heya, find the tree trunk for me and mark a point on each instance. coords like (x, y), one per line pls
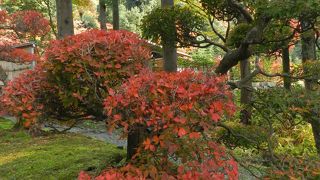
(64, 18)
(136, 136)
(309, 54)
(169, 51)
(245, 98)
(170, 57)
(286, 68)
(315, 123)
(115, 14)
(3, 75)
(18, 125)
(243, 52)
(102, 15)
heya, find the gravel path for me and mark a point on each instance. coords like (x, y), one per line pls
(99, 133)
(96, 130)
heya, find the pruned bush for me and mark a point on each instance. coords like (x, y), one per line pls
(84, 66)
(73, 79)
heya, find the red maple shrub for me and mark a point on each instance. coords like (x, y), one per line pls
(27, 25)
(20, 97)
(179, 112)
(74, 76)
(30, 23)
(20, 26)
(82, 67)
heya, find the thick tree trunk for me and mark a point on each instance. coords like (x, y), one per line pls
(309, 54)
(64, 18)
(169, 51)
(315, 123)
(286, 68)
(170, 57)
(246, 94)
(115, 14)
(102, 15)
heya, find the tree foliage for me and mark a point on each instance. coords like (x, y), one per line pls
(179, 112)
(252, 26)
(157, 25)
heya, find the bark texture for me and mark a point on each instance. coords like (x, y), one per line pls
(170, 58)
(115, 14)
(309, 54)
(286, 68)
(102, 15)
(243, 52)
(169, 51)
(246, 94)
(64, 18)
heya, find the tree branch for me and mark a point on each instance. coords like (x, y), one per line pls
(215, 31)
(243, 52)
(246, 14)
(259, 70)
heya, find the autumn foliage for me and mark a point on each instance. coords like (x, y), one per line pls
(19, 27)
(84, 66)
(23, 24)
(30, 23)
(74, 76)
(20, 97)
(179, 112)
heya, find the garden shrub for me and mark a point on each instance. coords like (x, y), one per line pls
(73, 78)
(84, 66)
(20, 98)
(30, 23)
(179, 111)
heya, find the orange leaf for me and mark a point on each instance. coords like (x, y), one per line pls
(182, 132)
(194, 135)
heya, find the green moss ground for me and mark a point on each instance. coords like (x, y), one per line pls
(60, 156)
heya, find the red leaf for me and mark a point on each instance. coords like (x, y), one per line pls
(117, 66)
(182, 132)
(215, 117)
(194, 135)
(111, 92)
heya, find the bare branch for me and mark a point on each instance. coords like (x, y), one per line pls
(259, 70)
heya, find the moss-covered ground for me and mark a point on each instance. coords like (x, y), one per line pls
(60, 156)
